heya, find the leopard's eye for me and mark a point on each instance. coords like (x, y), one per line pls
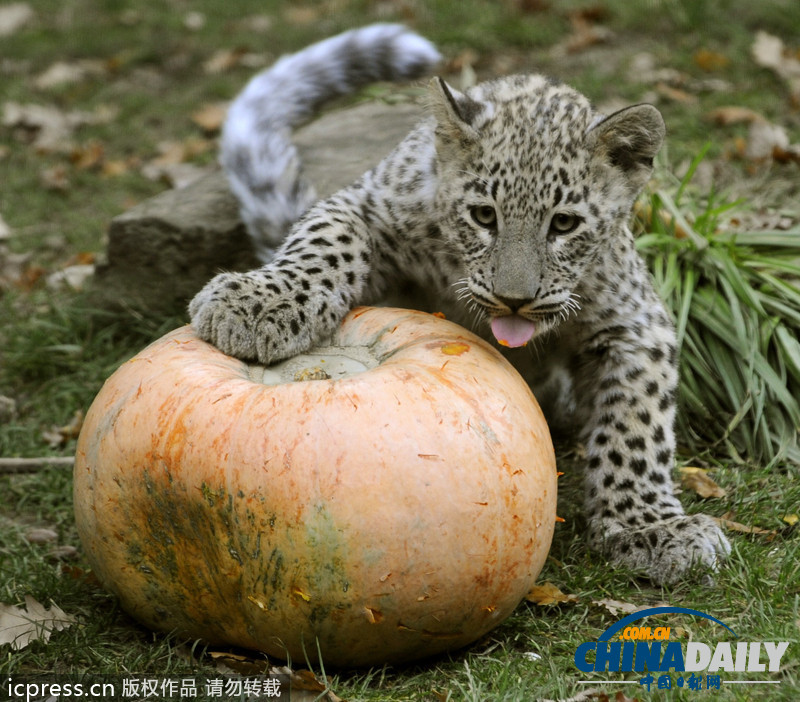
(564, 223)
(484, 216)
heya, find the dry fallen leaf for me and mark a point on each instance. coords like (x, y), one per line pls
(734, 114)
(710, 60)
(116, 167)
(585, 33)
(88, 156)
(791, 519)
(64, 552)
(13, 17)
(765, 220)
(82, 258)
(5, 230)
(194, 21)
(71, 277)
(19, 627)
(260, 24)
(769, 52)
(32, 274)
(179, 175)
(58, 436)
(548, 594)
(60, 73)
(63, 73)
(644, 68)
(55, 178)
(223, 60)
(615, 606)
(676, 94)
(762, 140)
(170, 164)
(788, 154)
(41, 536)
(697, 479)
(211, 117)
(244, 665)
(301, 14)
(306, 686)
(12, 267)
(51, 128)
(724, 521)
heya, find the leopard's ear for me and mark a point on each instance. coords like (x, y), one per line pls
(628, 140)
(458, 116)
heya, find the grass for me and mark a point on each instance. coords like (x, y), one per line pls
(733, 293)
(736, 303)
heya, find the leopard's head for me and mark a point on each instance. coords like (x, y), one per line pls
(534, 186)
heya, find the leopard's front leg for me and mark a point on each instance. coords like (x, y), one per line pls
(297, 300)
(629, 388)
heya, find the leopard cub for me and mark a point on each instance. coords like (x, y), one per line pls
(508, 205)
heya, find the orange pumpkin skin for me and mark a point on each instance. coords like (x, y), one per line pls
(383, 517)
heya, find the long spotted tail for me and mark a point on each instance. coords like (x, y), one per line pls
(257, 153)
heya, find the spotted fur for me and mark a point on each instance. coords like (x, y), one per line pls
(510, 199)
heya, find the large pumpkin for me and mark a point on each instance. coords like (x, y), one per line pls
(376, 509)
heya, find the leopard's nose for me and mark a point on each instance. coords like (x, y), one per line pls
(513, 303)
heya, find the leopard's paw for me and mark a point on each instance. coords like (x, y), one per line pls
(666, 551)
(243, 317)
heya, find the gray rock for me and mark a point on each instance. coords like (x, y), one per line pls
(162, 251)
(340, 146)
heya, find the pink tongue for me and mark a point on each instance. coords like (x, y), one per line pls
(512, 330)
